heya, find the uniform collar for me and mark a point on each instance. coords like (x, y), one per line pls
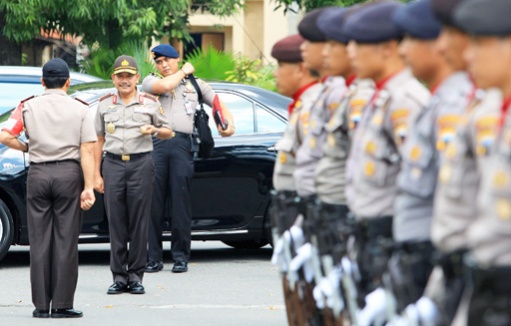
(138, 99)
(504, 109)
(298, 94)
(54, 91)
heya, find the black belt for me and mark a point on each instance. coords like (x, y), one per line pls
(178, 134)
(54, 162)
(127, 157)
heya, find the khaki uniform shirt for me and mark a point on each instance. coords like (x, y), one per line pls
(307, 155)
(56, 126)
(330, 172)
(292, 139)
(489, 237)
(465, 159)
(430, 134)
(378, 145)
(180, 104)
(120, 122)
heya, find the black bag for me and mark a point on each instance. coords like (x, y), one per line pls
(202, 133)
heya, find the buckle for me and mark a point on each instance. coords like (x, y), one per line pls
(125, 157)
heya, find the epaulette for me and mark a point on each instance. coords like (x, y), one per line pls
(104, 97)
(28, 98)
(151, 97)
(81, 101)
(156, 75)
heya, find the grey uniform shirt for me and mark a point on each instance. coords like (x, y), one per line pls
(120, 122)
(180, 104)
(377, 146)
(330, 172)
(428, 137)
(57, 125)
(308, 155)
(489, 237)
(292, 139)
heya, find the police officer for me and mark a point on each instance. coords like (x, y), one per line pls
(489, 237)
(173, 158)
(293, 79)
(61, 135)
(124, 122)
(378, 142)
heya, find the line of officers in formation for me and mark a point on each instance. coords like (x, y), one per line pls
(392, 202)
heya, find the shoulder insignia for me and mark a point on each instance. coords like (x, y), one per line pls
(28, 98)
(151, 97)
(104, 97)
(81, 101)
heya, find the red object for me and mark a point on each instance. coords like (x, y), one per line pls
(15, 124)
(297, 95)
(504, 109)
(217, 113)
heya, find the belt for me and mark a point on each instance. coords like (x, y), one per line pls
(178, 134)
(54, 162)
(126, 157)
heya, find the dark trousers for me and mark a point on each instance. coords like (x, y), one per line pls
(128, 194)
(54, 223)
(173, 162)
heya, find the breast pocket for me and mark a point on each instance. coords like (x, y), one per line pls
(111, 122)
(337, 139)
(144, 118)
(454, 167)
(378, 156)
(418, 173)
(500, 188)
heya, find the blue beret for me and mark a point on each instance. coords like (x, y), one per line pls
(373, 23)
(164, 50)
(308, 27)
(478, 17)
(444, 10)
(418, 20)
(330, 23)
(55, 68)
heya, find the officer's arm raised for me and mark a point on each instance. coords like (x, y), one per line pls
(167, 84)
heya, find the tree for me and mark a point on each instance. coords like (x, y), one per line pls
(308, 5)
(105, 23)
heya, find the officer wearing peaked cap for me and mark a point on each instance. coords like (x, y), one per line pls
(489, 237)
(60, 181)
(125, 121)
(295, 80)
(377, 149)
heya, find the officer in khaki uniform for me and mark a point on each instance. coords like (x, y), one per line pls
(295, 80)
(61, 134)
(489, 237)
(124, 122)
(173, 159)
(378, 141)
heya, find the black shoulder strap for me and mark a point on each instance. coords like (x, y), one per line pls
(197, 88)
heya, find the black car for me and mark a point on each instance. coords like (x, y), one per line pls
(230, 190)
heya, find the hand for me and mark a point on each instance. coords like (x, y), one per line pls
(188, 68)
(227, 132)
(87, 199)
(148, 129)
(98, 184)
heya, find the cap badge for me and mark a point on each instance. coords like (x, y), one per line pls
(125, 63)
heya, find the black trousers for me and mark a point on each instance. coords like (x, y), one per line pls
(54, 223)
(173, 162)
(128, 194)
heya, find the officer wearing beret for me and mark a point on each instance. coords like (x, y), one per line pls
(125, 121)
(314, 42)
(378, 142)
(61, 135)
(293, 79)
(173, 159)
(489, 237)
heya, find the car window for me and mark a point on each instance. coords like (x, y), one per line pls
(12, 93)
(241, 109)
(267, 122)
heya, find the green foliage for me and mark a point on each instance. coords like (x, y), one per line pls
(252, 72)
(101, 60)
(211, 64)
(309, 5)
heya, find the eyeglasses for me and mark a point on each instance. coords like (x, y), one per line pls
(159, 62)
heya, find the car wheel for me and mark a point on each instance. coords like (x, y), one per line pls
(6, 229)
(246, 244)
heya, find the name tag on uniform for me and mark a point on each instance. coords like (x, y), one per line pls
(142, 109)
(111, 109)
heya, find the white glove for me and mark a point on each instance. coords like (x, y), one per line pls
(303, 259)
(374, 312)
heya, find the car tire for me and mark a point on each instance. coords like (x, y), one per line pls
(6, 229)
(246, 244)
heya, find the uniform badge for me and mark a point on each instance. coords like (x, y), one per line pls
(298, 104)
(312, 142)
(450, 152)
(369, 169)
(333, 106)
(161, 110)
(445, 174)
(415, 153)
(500, 179)
(282, 158)
(331, 140)
(110, 127)
(503, 208)
(370, 148)
(377, 119)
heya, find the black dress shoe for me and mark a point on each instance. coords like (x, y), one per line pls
(117, 288)
(136, 287)
(66, 313)
(41, 313)
(153, 266)
(180, 267)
